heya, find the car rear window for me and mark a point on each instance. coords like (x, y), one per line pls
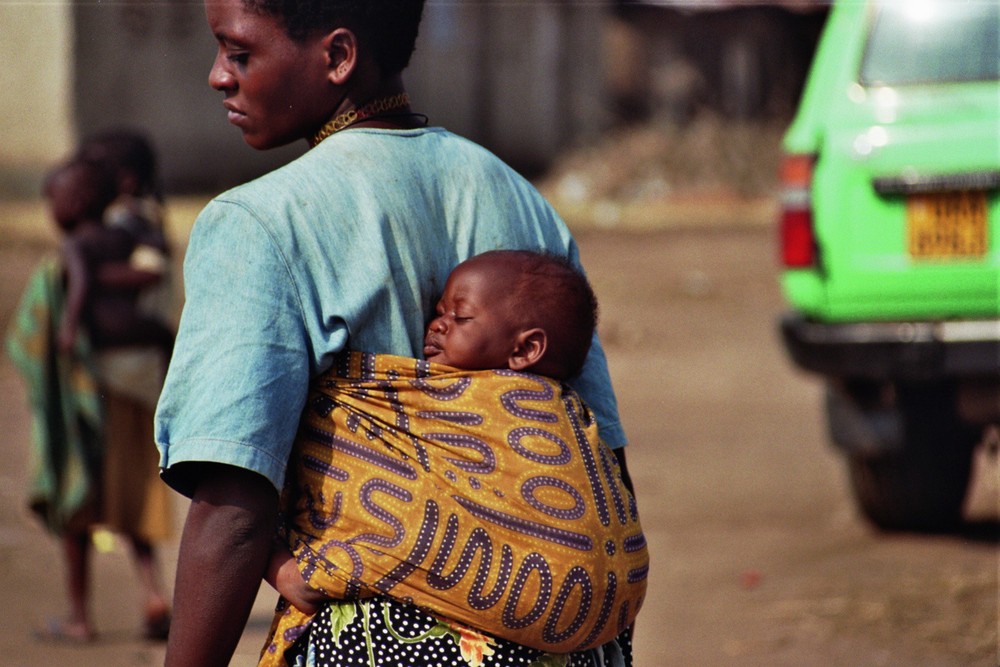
(931, 41)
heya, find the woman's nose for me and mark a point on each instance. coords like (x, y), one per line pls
(219, 77)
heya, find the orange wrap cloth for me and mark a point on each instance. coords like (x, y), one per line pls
(482, 496)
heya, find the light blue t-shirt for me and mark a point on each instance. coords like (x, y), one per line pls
(348, 246)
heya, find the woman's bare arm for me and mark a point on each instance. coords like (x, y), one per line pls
(223, 556)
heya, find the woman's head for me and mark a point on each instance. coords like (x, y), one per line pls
(286, 67)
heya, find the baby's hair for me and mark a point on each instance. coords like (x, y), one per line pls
(126, 150)
(99, 186)
(552, 293)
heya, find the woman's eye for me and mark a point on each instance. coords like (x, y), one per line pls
(238, 58)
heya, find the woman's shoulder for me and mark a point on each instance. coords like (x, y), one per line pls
(435, 148)
(262, 198)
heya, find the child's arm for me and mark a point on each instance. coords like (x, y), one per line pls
(123, 275)
(284, 576)
(77, 286)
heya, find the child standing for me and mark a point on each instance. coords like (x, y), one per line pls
(88, 315)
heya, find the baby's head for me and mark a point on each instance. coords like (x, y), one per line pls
(514, 309)
(130, 154)
(79, 191)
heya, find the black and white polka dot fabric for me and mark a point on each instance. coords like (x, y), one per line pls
(381, 631)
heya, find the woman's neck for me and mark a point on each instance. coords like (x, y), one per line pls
(385, 105)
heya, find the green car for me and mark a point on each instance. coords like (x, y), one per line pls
(890, 235)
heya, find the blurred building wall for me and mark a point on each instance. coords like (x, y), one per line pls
(525, 78)
(36, 125)
(521, 78)
(745, 60)
(145, 65)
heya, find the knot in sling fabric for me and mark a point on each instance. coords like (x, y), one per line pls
(482, 496)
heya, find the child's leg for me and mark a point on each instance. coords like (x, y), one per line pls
(155, 607)
(76, 548)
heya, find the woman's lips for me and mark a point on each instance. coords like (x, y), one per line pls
(234, 115)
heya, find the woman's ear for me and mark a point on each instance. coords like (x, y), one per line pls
(341, 48)
(529, 348)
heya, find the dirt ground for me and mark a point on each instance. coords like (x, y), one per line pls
(758, 557)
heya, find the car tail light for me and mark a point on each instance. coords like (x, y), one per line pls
(798, 240)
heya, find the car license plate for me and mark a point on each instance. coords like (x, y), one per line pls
(947, 224)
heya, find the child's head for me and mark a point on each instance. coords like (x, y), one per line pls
(130, 154)
(514, 309)
(78, 191)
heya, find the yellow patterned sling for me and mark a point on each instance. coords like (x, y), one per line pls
(482, 496)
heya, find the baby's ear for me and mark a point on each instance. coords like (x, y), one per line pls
(529, 348)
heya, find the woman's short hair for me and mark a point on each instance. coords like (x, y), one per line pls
(388, 27)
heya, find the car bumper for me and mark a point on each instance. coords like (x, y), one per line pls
(894, 350)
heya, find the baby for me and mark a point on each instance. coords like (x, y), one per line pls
(138, 209)
(514, 309)
(425, 479)
(78, 193)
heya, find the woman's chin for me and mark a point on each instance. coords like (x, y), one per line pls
(264, 141)
(257, 142)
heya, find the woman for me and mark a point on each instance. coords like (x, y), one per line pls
(348, 246)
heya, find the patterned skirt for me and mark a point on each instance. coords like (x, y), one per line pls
(381, 631)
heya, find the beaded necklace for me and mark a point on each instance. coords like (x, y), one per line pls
(378, 107)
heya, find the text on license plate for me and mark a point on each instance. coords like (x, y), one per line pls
(947, 224)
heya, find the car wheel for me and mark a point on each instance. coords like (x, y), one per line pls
(921, 483)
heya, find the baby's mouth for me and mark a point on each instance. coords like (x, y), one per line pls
(431, 348)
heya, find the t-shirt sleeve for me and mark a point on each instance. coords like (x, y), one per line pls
(594, 386)
(594, 381)
(239, 374)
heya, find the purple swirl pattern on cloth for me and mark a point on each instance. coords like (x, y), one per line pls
(574, 512)
(482, 496)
